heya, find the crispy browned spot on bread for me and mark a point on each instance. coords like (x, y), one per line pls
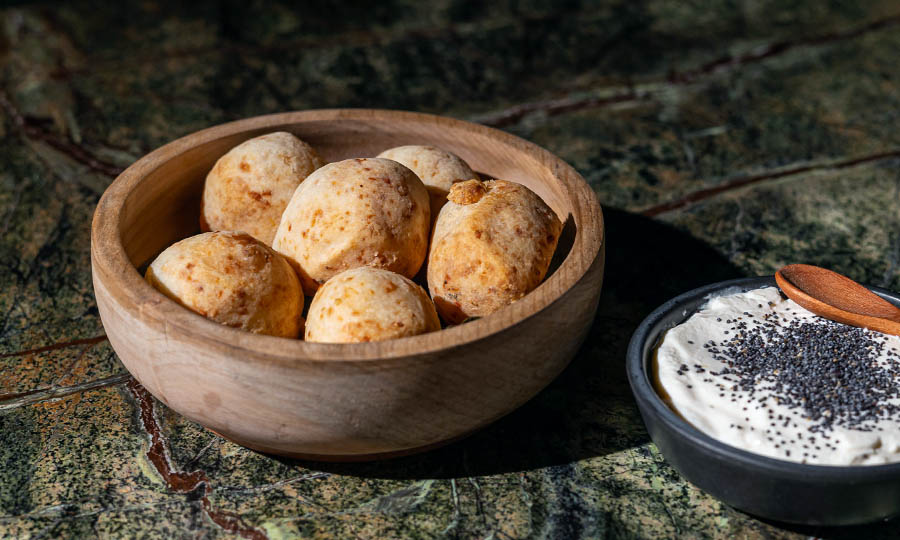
(468, 192)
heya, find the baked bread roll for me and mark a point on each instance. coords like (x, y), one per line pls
(357, 212)
(233, 279)
(492, 244)
(438, 169)
(369, 304)
(249, 187)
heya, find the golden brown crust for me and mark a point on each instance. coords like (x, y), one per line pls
(491, 250)
(357, 212)
(437, 168)
(250, 186)
(369, 304)
(468, 192)
(233, 279)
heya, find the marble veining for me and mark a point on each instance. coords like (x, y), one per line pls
(723, 139)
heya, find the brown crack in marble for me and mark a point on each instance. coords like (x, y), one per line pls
(779, 47)
(56, 346)
(511, 115)
(19, 399)
(58, 388)
(633, 94)
(33, 129)
(183, 482)
(745, 181)
(576, 461)
(74, 364)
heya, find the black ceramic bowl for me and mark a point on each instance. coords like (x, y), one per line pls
(766, 487)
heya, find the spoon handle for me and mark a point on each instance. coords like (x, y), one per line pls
(827, 311)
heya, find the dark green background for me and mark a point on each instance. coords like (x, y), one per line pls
(723, 138)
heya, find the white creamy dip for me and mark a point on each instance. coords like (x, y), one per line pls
(755, 421)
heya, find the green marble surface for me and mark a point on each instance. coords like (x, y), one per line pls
(724, 139)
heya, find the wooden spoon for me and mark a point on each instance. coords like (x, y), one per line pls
(839, 298)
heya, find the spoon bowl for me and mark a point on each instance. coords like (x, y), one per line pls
(838, 298)
(784, 491)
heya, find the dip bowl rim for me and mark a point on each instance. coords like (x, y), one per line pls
(665, 425)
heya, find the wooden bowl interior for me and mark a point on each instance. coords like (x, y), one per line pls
(340, 401)
(165, 206)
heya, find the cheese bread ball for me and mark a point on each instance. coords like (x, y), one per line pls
(492, 244)
(233, 279)
(369, 304)
(438, 169)
(358, 212)
(249, 187)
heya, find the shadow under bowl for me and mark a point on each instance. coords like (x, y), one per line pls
(766, 487)
(340, 401)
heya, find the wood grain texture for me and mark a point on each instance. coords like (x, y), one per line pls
(838, 298)
(340, 401)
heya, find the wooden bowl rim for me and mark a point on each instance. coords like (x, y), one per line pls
(118, 275)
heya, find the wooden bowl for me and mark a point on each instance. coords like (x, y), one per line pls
(340, 401)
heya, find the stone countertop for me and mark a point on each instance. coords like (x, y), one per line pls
(724, 139)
